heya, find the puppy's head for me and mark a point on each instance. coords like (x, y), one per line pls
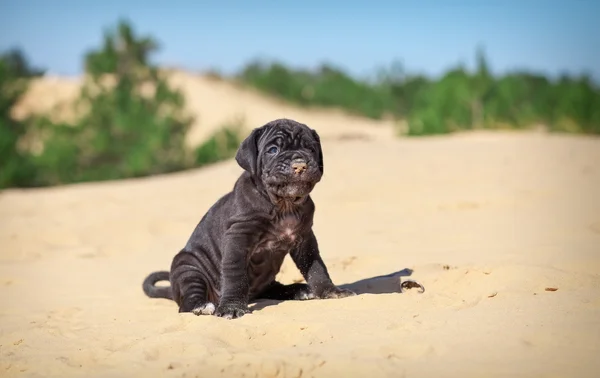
(286, 156)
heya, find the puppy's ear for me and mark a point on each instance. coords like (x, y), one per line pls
(319, 149)
(247, 153)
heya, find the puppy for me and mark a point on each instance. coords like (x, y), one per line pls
(237, 248)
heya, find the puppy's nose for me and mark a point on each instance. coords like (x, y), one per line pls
(298, 166)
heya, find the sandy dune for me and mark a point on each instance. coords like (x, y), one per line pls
(486, 222)
(214, 103)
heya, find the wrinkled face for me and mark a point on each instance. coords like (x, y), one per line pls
(289, 159)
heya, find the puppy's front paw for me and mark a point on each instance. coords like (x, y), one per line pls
(336, 292)
(231, 310)
(304, 295)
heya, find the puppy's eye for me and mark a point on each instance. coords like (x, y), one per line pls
(273, 150)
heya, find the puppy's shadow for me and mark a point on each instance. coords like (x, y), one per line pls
(384, 284)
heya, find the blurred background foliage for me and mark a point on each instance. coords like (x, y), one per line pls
(458, 100)
(133, 124)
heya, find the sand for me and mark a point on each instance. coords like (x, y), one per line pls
(487, 222)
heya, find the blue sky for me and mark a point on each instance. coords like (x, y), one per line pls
(427, 36)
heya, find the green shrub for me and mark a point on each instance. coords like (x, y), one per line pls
(328, 86)
(130, 122)
(16, 167)
(220, 146)
(132, 125)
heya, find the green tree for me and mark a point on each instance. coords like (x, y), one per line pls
(16, 168)
(482, 83)
(16, 61)
(132, 125)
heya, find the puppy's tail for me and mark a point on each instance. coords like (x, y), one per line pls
(157, 292)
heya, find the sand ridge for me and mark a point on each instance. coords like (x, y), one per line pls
(213, 103)
(485, 221)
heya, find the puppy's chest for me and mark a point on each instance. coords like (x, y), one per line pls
(268, 255)
(287, 230)
(283, 234)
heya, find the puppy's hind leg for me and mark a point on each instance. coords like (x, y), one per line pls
(194, 294)
(281, 292)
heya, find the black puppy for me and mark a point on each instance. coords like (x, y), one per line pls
(237, 249)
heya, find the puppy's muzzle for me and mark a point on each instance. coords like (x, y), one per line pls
(299, 166)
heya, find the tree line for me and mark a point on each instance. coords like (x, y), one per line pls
(458, 100)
